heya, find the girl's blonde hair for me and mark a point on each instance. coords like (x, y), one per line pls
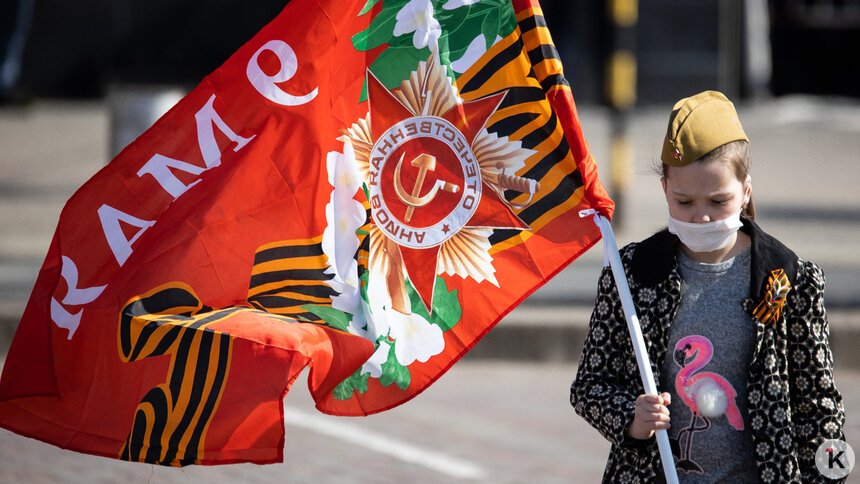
(737, 153)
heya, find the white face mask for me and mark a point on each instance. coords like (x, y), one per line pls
(706, 237)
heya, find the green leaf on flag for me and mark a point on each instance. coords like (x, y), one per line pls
(446, 307)
(380, 31)
(368, 6)
(357, 382)
(335, 318)
(453, 45)
(394, 372)
(490, 28)
(507, 21)
(364, 276)
(359, 40)
(460, 26)
(394, 65)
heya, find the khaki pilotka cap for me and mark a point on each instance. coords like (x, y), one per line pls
(699, 124)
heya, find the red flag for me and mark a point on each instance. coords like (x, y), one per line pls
(367, 190)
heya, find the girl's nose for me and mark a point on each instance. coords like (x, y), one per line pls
(701, 217)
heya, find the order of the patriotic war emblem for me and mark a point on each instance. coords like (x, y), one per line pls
(435, 177)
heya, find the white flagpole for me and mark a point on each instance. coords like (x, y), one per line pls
(610, 250)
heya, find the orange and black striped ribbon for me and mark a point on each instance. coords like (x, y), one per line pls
(526, 64)
(770, 308)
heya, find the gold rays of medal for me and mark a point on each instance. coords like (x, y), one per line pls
(430, 92)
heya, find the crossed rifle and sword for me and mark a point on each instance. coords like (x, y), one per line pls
(425, 163)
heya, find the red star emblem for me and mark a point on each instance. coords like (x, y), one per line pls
(425, 184)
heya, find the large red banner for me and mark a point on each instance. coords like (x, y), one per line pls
(362, 188)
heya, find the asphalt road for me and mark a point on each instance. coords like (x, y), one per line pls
(484, 421)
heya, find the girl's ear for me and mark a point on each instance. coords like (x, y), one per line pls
(663, 182)
(747, 190)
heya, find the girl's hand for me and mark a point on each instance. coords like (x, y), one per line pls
(651, 414)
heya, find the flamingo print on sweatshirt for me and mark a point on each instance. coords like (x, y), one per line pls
(707, 395)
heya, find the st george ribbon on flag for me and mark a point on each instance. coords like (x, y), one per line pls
(364, 188)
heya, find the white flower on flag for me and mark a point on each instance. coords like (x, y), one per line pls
(452, 4)
(364, 324)
(344, 215)
(417, 16)
(374, 364)
(474, 51)
(415, 338)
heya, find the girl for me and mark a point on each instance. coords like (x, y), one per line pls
(733, 320)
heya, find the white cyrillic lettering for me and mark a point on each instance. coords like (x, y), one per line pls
(207, 118)
(159, 167)
(110, 219)
(268, 85)
(75, 296)
(65, 319)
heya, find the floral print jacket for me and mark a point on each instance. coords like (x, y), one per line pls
(792, 399)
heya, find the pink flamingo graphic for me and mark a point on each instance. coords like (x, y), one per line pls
(707, 394)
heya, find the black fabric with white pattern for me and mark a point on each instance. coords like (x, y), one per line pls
(793, 402)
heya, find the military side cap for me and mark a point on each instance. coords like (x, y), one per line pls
(699, 124)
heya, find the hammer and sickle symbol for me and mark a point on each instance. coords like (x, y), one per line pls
(424, 163)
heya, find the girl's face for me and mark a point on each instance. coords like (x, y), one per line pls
(704, 191)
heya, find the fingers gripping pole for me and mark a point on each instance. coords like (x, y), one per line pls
(610, 250)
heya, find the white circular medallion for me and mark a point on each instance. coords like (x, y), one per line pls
(444, 180)
(834, 459)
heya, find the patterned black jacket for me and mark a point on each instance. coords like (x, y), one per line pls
(792, 399)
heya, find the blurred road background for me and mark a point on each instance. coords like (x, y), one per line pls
(483, 422)
(502, 414)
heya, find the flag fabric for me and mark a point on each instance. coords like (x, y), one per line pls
(365, 188)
